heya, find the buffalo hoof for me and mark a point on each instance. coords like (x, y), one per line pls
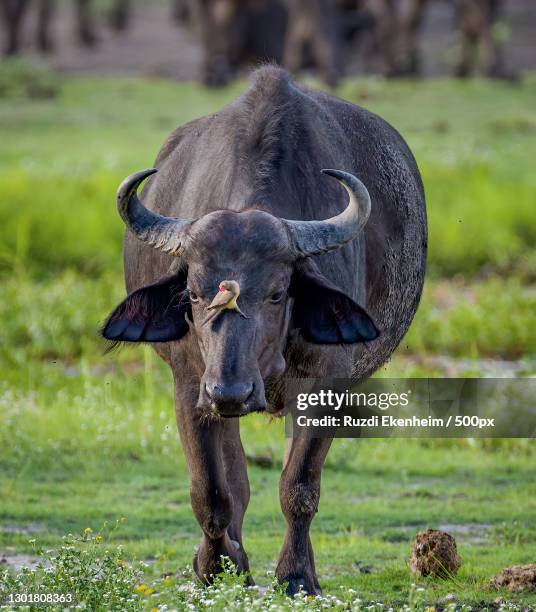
(298, 572)
(306, 583)
(207, 561)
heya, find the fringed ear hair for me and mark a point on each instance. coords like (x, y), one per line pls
(155, 313)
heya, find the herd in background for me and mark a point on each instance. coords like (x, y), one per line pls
(323, 35)
(14, 12)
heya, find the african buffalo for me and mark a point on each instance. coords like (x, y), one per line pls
(234, 33)
(13, 13)
(479, 23)
(312, 31)
(328, 280)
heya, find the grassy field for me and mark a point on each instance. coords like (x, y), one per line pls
(88, 440)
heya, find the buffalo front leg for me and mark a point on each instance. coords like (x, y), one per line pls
(299, 494)
(219, 489)
(234, 461)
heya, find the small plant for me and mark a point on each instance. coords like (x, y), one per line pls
(99, 578)
(92, 574)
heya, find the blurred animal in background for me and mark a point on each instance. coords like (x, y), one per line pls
(12, 16)
(235, 33)
(14, 13)
(369, 29)
(181, 11)
(120, 14)
(481, 37)
(312, 38)
(480, 27)
(389, 35)
(331, 37)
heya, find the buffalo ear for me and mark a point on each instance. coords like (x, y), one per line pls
(326, 315)
(155, 313)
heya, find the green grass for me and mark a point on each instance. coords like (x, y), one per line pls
(58, 317)
(90, 456)
(89, 438)
(488, 318)
(62, 158)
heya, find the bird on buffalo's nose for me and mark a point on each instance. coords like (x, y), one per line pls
(225, 299)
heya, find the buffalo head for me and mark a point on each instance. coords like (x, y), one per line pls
(261, 261)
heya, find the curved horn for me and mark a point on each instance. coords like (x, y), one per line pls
(162, 233)
(313, 237)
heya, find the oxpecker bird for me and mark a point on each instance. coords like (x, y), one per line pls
(225, 299)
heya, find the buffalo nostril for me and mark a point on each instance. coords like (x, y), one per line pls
(225, 393)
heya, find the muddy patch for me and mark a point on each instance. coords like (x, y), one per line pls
(468, 533)
(473, 533)
(17, 562)
(25, 529)
(455, 367)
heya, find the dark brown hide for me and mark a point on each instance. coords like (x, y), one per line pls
(237, 173)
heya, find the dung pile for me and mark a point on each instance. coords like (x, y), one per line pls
(516, 578)
(434, 553)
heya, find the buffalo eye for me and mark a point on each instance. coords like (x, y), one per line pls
(194, 298)
(276, 297)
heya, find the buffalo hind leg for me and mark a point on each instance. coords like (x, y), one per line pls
(213, 485)
(299, 493)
